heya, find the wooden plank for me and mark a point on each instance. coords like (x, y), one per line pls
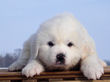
(4, 72)
(51, 80)
(29, 80)
(76, 73)
(85, 81)
(5, 81)
(5, 75)
(48, 74)
(46, 77)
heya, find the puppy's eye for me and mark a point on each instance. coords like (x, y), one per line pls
(50, 43)
(70, 44)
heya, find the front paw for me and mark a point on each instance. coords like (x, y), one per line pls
(31, 70)
(92, 71)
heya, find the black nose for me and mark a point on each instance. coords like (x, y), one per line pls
(60, 56)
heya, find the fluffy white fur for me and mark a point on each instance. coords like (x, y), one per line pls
(37, 55)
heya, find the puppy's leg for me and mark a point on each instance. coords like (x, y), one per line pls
(91, 67)
(22, 60)
(32, 68)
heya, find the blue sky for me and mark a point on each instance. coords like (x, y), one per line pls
(20, 18)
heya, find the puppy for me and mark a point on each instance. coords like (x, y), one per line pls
(60, 43)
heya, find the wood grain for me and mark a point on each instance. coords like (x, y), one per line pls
(75, 75)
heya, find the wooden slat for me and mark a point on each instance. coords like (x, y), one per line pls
(5, 75)
(85, 81)
(5, 81)
(29, 80)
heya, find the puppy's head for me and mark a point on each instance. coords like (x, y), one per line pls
(59, 41)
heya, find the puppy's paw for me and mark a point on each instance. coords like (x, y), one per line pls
(15, 66)
(31, 70)
(92, 71)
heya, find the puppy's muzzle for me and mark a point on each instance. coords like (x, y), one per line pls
(60, 59)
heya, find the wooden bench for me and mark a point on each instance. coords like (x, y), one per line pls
(66, 76)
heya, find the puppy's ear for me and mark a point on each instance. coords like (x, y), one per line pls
(34, 49)
(88, 48)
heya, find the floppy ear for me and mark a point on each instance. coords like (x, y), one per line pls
(34, 51)
(88, 45)
(34, 48)
(88, 48)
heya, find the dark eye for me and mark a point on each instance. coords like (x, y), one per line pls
(50, 43)
(70, 44)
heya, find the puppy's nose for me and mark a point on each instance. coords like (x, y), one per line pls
(60, 56)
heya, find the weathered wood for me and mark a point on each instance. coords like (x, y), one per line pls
(29, 80)
(85, 81)
(74, 75)
(5, 81)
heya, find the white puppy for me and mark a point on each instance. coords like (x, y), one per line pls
(60, 43)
